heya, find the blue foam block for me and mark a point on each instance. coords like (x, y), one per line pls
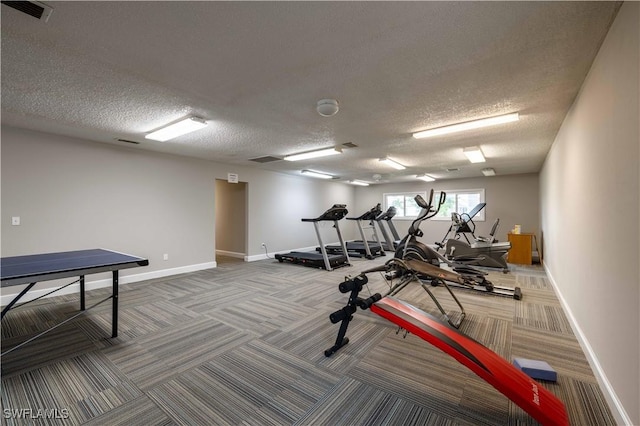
(536, 369)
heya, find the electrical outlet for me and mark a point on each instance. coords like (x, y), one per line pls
(165, 256)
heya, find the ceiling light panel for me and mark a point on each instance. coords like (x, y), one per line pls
(426, 178)
(358, 183)
(179, 128)
(315, 174)
(391, 163)
(474, 154)
(313, 154)
(488, 172)
(469, 125)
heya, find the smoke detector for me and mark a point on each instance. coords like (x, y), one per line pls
(327, 107)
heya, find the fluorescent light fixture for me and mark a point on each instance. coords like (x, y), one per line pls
(461, 127)
(315, 174)
(426, 178)
(488, 172)
(474, 154)
(313, 154)
(179, 128)
(358, 182)
(392, 163)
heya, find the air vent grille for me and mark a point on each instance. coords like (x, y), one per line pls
(349, 145)
(266, 159)
(128, 141)
(32, 8)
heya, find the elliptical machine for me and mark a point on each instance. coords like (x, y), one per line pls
(410, 248)
(485, 252)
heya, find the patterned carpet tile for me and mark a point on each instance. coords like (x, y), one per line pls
(534, 282)
(251, 314)
(310, 337)
(542, 317)
(60, 343)
(244, 343)
(173, 351)
(481, 404)
(562, 353)
(216, 298)
(415, 371)
(96, 388)
(493, 333)
(585, 403)
(183, 285)
(133, 295)
(138, 412)
(33, 319)
(193, 343)
(351, 402)
(252, 384)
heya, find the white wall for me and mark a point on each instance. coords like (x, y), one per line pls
(589, 189)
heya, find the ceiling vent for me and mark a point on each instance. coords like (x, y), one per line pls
(32, 8)
(128, 141)
(266, 159)
(349, 145)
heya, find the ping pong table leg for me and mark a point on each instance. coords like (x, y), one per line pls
(22, 293)
(82, 292)
(114, 306)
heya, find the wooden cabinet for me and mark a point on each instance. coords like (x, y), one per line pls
(521, 248)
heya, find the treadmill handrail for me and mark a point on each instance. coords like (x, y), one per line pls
(336, 212)
(371, 214)
(388, 215)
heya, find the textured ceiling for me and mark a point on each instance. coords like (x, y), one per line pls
(107, 70)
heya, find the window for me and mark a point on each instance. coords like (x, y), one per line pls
(406, 207)
(461, 201)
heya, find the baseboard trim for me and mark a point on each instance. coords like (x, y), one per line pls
(230, 254)
(5, 299)
(614, 403)
(255, 257)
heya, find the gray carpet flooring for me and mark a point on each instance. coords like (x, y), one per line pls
(243, 344)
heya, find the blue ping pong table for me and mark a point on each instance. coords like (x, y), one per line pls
(31, 269)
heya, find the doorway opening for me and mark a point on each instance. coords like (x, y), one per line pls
(231, 221)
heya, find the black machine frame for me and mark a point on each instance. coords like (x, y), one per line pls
(324, 259)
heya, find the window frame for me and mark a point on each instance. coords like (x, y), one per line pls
(480, 217)
(410, 195)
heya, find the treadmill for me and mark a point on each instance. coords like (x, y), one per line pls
(360, 248)
(392, 241)
(324, 259)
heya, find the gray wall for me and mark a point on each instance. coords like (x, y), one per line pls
(513, 199)
(74, 194)
(277, 202)
(590, 212)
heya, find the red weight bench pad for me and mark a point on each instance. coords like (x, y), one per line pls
(538, 402)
